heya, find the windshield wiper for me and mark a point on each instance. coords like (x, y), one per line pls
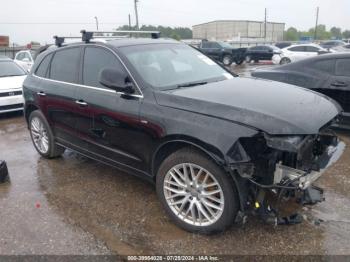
(192, 84)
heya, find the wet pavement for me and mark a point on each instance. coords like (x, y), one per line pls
(74, 205)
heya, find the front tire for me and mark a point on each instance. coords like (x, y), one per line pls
(42, 136)
(227, 60)
(196, 193)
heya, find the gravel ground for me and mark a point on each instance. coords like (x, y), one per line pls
(74, 205)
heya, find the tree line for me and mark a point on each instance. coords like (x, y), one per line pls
(292, 34)
(177, 33)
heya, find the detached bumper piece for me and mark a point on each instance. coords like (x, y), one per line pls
(4, 176)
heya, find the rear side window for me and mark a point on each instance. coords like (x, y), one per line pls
(324, 65)
(95, 59)
(65, 65)
(42, 68)
(342, 67)
(205, 44)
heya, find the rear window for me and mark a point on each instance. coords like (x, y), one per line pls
(65, 65)
(42, 68)
(342, 67)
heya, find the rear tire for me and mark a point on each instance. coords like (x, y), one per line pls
(196, 193)
(285, 60)
(42, 136)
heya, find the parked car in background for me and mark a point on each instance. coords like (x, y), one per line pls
(332, 43)
(222, 52)
(25, 59)
(281, 45)
(328, 74)
(11, 80)
(263, 52)
(298, 52)
(161, 110)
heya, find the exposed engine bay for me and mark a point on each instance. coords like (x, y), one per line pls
(280, 171)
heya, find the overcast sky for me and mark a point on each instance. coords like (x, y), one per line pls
(39, 20)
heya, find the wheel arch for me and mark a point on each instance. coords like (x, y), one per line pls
(172, 144)
(29, 108)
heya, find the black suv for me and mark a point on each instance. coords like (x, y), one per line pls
(223, 52)
(215, 145)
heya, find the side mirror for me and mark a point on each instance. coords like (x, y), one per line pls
(117, 80)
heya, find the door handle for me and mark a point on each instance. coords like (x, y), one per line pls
(41, 93)
(81, 102)
(339, 84)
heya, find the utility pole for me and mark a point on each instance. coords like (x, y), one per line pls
(317, 12)
(129, 22)
(265, 24)
(136, 14)
(96, 22)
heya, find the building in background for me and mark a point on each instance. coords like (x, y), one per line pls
(239, 30)
(4, 40)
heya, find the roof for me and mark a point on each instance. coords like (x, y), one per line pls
(247, 21)
(140, 41)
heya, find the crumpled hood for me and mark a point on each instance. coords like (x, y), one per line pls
(11, 82)
(273, 107)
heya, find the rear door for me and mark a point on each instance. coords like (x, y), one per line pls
(57, 93)
(108, 123)
(341, 85)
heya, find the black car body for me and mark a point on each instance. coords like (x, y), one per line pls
(222, 52)
(261, 52)
(328, 74)
(213, 144)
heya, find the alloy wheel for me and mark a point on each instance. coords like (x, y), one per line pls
(39, 135)
(193, 194)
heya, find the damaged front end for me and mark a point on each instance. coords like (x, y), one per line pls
(279, 171)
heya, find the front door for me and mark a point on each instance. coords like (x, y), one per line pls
(108, 122)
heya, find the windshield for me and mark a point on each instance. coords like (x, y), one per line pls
(9, 68)
(169, 66)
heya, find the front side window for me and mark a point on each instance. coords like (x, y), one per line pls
(297, 49)
(342, 67)
(95, 59)
(168, 66)
(311, 49)
(65, 65)
(324, 65)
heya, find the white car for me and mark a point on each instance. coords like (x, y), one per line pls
(298, 52)
(11, 80)
(25, 59)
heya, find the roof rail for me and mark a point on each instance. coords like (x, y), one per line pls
(86, 36)
(59, 40)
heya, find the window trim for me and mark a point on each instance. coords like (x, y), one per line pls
(140, 95)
